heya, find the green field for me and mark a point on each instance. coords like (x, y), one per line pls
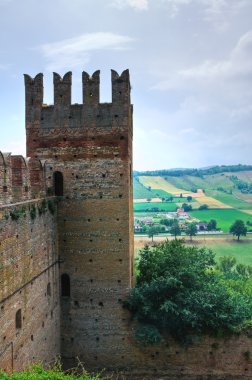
(230, 199)
(140, 191)
(224, 217)
(242, 250)
(220, 245)
(168, 206)
(161, 193)
(207, 182)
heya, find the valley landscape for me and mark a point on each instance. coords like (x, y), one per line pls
(222, 194)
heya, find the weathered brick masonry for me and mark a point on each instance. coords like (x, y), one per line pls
(29, 292)
(66, 266)
(90, 145)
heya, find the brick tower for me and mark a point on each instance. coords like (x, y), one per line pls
(87, 150)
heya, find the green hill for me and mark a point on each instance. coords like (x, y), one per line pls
(227, 193)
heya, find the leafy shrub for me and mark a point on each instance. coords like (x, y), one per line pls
(33, 212)
(179, 290)
(147, 334)
(42, 207)
(51, 206)
(203, 207)
(17, 213)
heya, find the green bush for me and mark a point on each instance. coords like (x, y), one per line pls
(180, 291)
(33, 212)
(42, 207)
(37, 372)
(147, 334)
(51, 206)
(17, 213)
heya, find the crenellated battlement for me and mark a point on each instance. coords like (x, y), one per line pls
(21, 178)
(64, 125)
(61, 113)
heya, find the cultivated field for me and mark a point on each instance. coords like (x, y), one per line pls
(225, 201)
(224, 217)
(160, 183)
(220, 245)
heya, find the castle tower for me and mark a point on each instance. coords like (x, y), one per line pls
(88, 153)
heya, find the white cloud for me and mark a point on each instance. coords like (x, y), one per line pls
(14, 146)
(73, 52)
(139, 5)
(5, 66)
(174, 6)
(239, 64)
(236, 68)
(218, 12)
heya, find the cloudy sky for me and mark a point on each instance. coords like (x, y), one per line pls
(190, 63)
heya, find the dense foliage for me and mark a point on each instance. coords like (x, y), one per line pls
(37, 372)
(181, 291)
(243, 186)
(195, 172)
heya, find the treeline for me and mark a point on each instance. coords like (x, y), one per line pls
(195, 172)
(244, 187)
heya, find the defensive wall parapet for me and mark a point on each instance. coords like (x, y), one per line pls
(64, 126)
(20, 178)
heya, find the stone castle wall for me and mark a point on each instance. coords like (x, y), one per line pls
(29, 291)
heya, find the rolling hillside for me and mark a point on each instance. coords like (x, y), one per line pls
(220, 191)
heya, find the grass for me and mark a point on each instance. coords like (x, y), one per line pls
(212, 202)
(159, 183)
(140, 191)
(220, 245)
(207, 182)
(37, 372)
(241, 250)
(141, 207)
(230, 199)
(224, 217)
(161, 193)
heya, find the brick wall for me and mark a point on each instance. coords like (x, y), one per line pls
(90, 144)
(29, 282)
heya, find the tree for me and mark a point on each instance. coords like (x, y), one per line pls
(203, 207)
(238, 229)
(189, 198)
(175, 230)
(178, 292)
(167, 222)
(191, 230)
(227, 263)
(212, 225)
(186, 207)
(152, 231)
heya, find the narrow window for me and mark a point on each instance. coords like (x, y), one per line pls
(18, 319)
(65, 285)
(58, 183)
(48, 289)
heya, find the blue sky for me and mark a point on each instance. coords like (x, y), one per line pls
(190, 63)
